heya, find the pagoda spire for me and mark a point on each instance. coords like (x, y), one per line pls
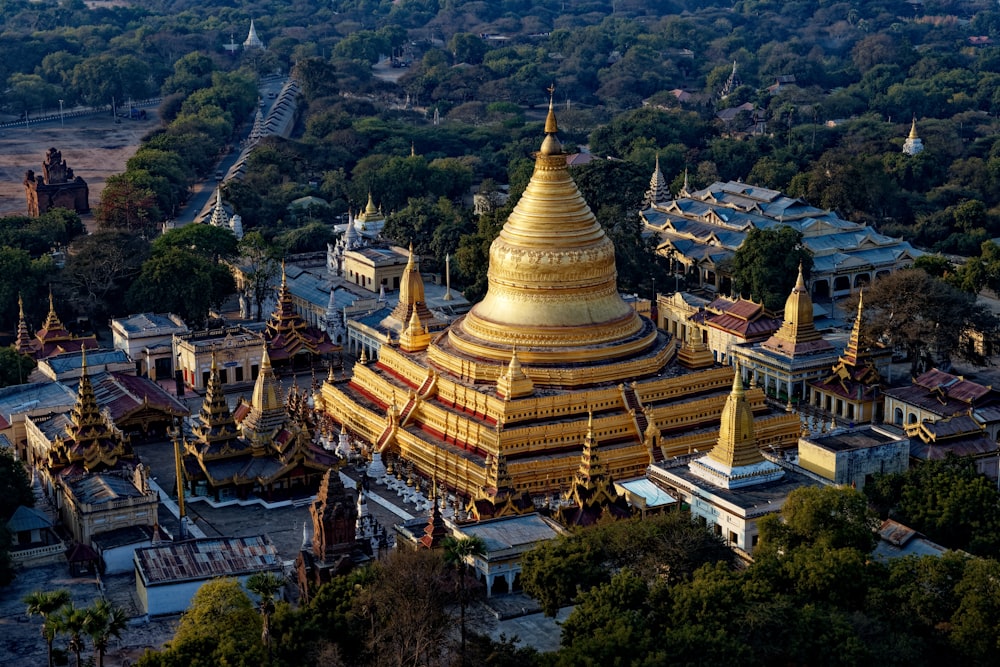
(852, 354)
(216, 422)
(737, 443)
(411, 294)
(552, 284)
(514, 383)
(736, 461)
(798, 334)
(267, 409)
(658, 190)
(23, 343)
(52, 321)
(219, 216)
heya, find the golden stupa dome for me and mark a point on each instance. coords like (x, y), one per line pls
(411, 287)
(552, 281)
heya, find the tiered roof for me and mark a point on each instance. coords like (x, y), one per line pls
(53, 338)
(288, 334)
(854, 376)
(90, 441)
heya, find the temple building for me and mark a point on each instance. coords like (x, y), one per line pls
(332, 544)
(84, 440)
(551, 352)
(237, 348)
(701, 231)
(794, 355)
(55, 187)
(259, 450)
(53, 338)
(147, 338)
(733, 485)
(291, 341)
(853, 388)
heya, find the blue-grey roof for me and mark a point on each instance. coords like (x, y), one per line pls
(106, 488)
(512, 532)
(151, 323)
(28, 518)
(20, 398)
(71, 361)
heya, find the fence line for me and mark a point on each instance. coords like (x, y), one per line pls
(77, 113)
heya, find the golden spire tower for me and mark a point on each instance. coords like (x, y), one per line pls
(736, 460)
(552, 281)
(216, 420)
(267, 409)
(798, 334)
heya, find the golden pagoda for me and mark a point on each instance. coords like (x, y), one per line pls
(798, 334)
(736, 461)
(90, 441)
(514, 380)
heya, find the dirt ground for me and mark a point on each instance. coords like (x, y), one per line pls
(94, 147)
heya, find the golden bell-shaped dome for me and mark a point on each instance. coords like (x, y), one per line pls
(552, 279)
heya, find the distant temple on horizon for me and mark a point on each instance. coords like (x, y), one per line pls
(55, 187)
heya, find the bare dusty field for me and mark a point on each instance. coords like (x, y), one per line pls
(94, 147)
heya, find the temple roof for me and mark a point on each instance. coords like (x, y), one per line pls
(288, 334)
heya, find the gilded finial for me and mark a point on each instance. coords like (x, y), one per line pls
(800, 283)
(20, 307)
(283, 280)
(550, 121)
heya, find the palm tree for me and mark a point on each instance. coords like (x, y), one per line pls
(73, 621)
(104, 621)
(265, 585)
(457, 552)
(45, 604)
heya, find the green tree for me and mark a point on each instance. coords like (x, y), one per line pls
(946, 500)
(99, 270)
(212, 243)
(831, 517)
(220, 627)
(47, 604)
(457, 553)
(183, 282)
(73, 621)
(104, 621)
(765, 266)
(923, 315)
(14, 366)
(258, 262)
(15, 485)
(265, 585)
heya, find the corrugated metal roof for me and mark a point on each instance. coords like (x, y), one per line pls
(206, 558)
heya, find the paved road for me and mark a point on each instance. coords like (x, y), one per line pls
(203, 193)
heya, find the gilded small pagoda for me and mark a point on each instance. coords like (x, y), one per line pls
(517, 378)
(262, 449)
